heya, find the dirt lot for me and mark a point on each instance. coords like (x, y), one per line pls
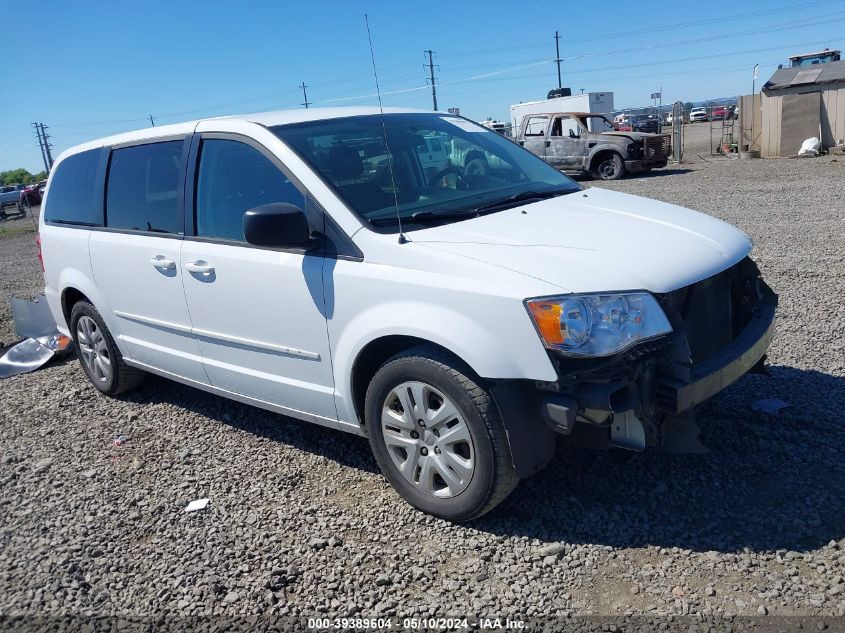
(301, 523)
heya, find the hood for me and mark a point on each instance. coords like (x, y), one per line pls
(596, 240)
(634, 136)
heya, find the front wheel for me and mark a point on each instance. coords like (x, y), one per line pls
(609, 167)
(436, 435)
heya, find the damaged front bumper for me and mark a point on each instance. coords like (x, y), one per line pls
(722, 328)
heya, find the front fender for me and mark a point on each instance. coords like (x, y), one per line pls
(603, 147)
(509, 349)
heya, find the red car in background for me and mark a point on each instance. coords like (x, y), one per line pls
(718, 113)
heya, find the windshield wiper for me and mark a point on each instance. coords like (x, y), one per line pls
(425, 216)
(522, 197)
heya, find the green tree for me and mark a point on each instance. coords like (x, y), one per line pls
(688, 106)
(16, 176)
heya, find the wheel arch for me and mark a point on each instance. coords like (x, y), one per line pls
(599, 152)
(70, 297)
(373, 355)
(75, 286)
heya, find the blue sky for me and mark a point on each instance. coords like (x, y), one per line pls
(95, 68)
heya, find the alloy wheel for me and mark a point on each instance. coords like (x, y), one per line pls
(93, 349)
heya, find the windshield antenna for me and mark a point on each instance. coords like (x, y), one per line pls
(402, 238)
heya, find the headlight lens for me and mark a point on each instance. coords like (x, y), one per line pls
(597, 324)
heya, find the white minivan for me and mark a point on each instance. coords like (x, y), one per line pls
(311, 263)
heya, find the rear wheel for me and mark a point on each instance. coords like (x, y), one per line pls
(436, 435)
(609, 167)
(98, 354)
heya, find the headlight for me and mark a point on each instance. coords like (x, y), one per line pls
(597, 324)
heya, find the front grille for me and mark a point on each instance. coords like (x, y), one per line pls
(709, 312)
(656, 147)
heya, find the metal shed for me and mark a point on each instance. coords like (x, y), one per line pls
(802, 102)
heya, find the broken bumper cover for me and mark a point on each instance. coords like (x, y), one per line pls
(725, 367)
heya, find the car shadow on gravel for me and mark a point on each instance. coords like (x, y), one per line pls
(768, 482)
(346, 449)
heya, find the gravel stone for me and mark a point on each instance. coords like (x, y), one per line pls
(302, 516)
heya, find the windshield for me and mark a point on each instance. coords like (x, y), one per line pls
(445, 168)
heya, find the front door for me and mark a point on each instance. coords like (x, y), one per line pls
(136, 261)
(258, 314)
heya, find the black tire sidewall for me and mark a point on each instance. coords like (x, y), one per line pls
(468, 502)
(86, 309)
(618, 165)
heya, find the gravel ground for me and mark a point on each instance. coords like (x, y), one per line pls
(300, 522)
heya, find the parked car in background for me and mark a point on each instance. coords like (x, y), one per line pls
(459, 321)
(564, 139)
(30, 195)
(718, 113)
(649, 123)
(697, 114)
(11, 196)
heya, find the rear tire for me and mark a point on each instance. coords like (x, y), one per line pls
(98, 354)
(456, 480)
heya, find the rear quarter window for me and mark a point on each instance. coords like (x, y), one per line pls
(72, 198)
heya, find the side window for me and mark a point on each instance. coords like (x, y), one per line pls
(233, 178)
(536, 126)
(142, 193)
(567, 127)
(71, 199)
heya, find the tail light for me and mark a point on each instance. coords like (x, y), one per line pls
(40, 256)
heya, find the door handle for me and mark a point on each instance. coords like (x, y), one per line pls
(162, 263)
(199, 266)
(548, 143)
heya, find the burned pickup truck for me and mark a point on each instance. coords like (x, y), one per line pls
(579, 142)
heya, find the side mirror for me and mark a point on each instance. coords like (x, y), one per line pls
(277, 224)
(572, 133)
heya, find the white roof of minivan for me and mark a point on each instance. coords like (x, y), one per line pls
(276, 117)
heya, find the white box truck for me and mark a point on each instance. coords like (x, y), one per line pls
(590, 102)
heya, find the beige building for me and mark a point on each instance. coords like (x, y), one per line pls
(798, 103)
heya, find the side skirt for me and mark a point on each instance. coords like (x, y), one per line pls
(348, 427)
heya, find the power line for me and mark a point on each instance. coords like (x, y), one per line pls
(430, 66)
(649, 30)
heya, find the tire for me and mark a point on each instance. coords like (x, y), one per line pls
(609, 167)
(91, 334)
(479, 468)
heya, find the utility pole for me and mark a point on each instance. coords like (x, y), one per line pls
(430, 66)
(152, 120)
(41, 145)
(558, 59)
(306, 103)
(47, 146)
